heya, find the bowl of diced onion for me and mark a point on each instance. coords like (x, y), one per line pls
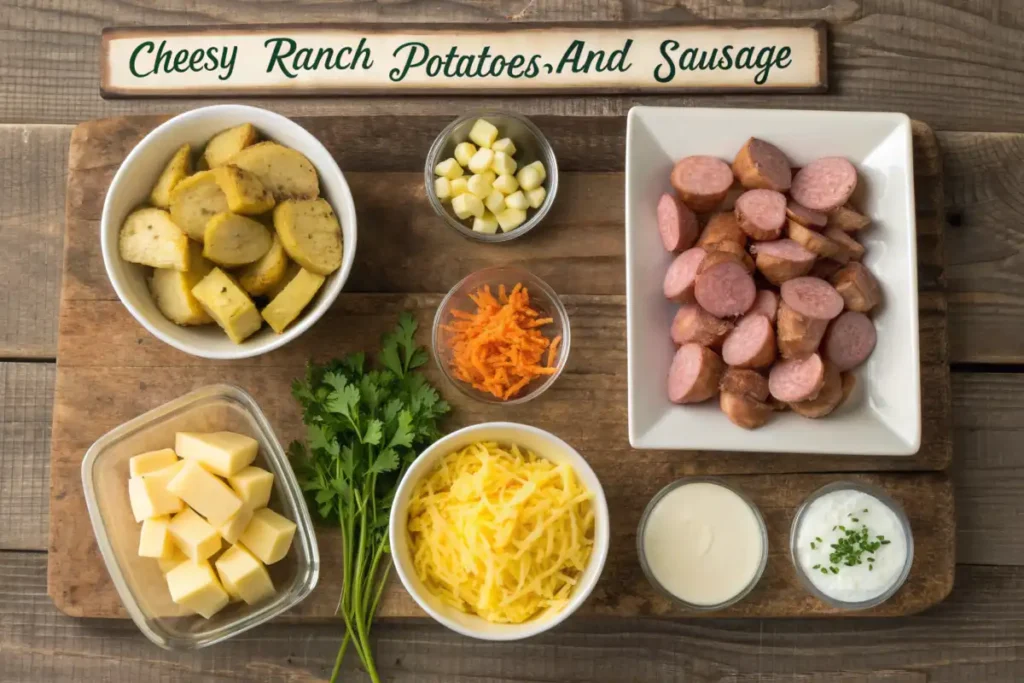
(499, 531)
(492, 176)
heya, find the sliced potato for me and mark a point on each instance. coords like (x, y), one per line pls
(258, 277)
(244, 192)
(234, 240)
(172, 289)
(194, 201)
(228, 305)
(310, 233)
(228, 143)
(151, 238)
(290, 271)
(286, 306)
(177, 169)
(287, 174)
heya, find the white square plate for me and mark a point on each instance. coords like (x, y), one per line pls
(883, 416)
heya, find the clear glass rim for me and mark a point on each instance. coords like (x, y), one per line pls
(885, 499)
(642, 554)
(559, 311)
(459, 226)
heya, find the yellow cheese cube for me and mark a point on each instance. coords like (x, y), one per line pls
(193, 535)
(268, 536)
(490, 175)
(517, 200)
(152, 461)
(228, 304)
(466, 205)
(495, 202)
(464, 151)
(479, 185)
(510, 219)
(537, 197)
(154, 540)
(503, 164)
(246, 576)
(443, 188)
(504, 145)
(195, 586)
(149, 496)
(223, 453)
(449, 168)
(175, 558)
(292, 300)
(487, 224)
(481, 161)
(232, 529)
(459, 186)
(531, 176)
(205, 493)
(506, 184)
(483, 133)
(253, 485)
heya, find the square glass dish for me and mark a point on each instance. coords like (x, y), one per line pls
(883, 415)
(139, 580)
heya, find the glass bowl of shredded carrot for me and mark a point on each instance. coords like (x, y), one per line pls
(501, 335)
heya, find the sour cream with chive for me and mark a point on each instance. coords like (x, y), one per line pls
(851, 546)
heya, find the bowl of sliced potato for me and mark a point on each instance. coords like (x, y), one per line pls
(228, 231)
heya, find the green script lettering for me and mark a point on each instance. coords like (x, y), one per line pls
(277, 55)
(417, 54)
(148, 47)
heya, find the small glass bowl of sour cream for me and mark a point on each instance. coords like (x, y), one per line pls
(851, 545)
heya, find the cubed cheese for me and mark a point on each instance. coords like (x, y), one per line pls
(449, 168)
(483, 133)
(152, 461)
(490, 175)
(175, 558)
(232, 529)
(495, 202)
(531, 176)
(205, 493)
(464, 151)
(460, 186)
(253, 485)
(442, 188)
(506, 184)
(246, 575)
(486, 224)
(193, 535)
(481, 161)
(510, 219)
(223, 453)
(504, 145)
(154, 540)
(228, 304)
(268, 536)
(480, 186)
(466, 205)
(517, 200)
(290, 302)
(148, 494)
(194, 585)
(536, 197)
(503, 164)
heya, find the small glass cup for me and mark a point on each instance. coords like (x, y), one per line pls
(888, 502)
(542, 298)
(139, 580)
(531, 145)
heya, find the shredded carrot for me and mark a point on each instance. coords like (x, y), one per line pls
(500, 348)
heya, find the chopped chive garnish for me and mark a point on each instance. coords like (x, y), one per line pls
(813, 547)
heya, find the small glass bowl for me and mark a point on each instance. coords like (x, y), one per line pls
(642, 551)
(139, 580)
(888, 502)
(542, 298)
(531, 145)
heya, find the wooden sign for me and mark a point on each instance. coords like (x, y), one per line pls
(221, 61)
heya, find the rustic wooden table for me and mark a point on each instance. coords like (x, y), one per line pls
(954, 64)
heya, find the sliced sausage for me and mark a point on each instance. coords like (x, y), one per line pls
(850, 340)
(725, 290)
(804, 216)
(825, 184)
(849, 384)
(810, 240)
(693, 324)
(797, 335)
(694, 374)
(857, 286)
(782, 260)
(751, 344)
(825, 268)
(797, 379)
(744, 411)
(847, 219)
(733, 249)
(676, 223)
(722, 227)
(761, 214)
(766, 303)
(745, 382)
(701, 181)
(682, 274)
(812, 297)
(827, 400)
(849, 248)
(762, 165)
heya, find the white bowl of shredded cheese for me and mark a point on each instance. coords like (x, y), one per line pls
(499, 531)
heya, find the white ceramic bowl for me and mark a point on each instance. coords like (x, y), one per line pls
(883, 416)
(543, 444)
(134, 180)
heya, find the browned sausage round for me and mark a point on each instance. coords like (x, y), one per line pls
(725, 290)
(849, 384)
(745, 382)
(693, 324)
(850, 340)
(722, 227)
(751, 344)
(797, 379)
(827, 400)
(682, 274)
(847, 219)
(797, 335)
(812, 241)
(857, 286)
(812, 297)
(731, 248)
(761, 214)
(744, 411)
(762, 165)
(694, 374)
(849, 248)
(804, 216)
(825, 268)
(701, 181)
(766, 303)
(782, 260)
(676, 223)
(825, 184)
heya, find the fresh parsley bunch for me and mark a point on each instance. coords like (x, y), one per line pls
(364, 429)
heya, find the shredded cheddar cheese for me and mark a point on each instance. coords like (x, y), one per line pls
(501, 533)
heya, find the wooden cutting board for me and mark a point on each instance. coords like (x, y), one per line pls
(109, 369)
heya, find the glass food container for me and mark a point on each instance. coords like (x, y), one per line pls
(139, 580)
